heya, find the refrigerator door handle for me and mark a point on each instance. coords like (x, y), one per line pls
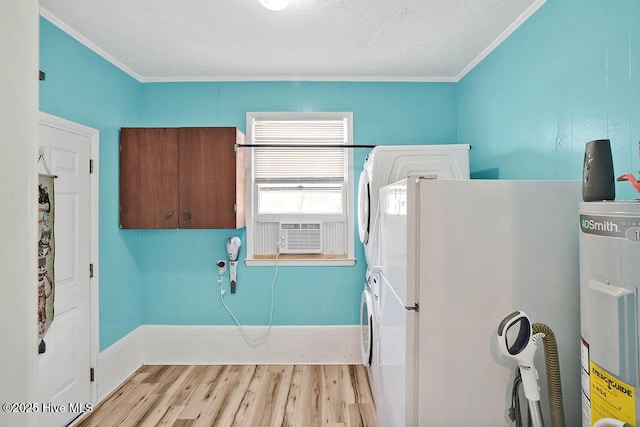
(415, 307)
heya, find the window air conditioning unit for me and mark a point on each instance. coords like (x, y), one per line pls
(300, 238)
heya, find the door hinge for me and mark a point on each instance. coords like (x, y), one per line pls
(90, 165)
(90, 270)
(92, 375)
(235, 207)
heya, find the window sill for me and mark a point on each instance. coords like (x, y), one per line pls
(300, 260)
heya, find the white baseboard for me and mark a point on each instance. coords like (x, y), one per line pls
(117, 362)
(223, 345)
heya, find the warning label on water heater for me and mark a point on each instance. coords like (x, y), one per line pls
(610, 397)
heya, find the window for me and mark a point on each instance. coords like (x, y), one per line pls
(301, 175)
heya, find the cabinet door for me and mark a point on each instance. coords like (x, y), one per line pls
(149, 178)
(207, 180)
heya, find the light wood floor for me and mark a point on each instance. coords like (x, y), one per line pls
(263, 395)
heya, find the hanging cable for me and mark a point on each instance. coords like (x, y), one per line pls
(515, 413)
(252, 341)
(44, 163)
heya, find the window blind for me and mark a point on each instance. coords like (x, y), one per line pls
(306, 164)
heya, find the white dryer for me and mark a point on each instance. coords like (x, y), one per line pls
(387, 164)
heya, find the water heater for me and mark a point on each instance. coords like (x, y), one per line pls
(609, 308)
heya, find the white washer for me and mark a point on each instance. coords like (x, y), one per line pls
(369, 322)
(366, 328)
(387, 164)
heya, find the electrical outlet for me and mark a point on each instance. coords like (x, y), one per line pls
(222, 266)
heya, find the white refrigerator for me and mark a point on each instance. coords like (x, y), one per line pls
(455, 258)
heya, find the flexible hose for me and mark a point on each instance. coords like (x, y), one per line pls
(552, 366)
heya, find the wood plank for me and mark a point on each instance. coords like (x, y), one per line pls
(236, 396)
(292, 414)
(113, 401)
(368, 412)
(239, 395)
(361, 386)
(137, 395)
(170, 416)
(141, 409)
(184, 393)
(311, 404)
(155, 373)
(267, 398)
(163, 413)
(283, 378)
(355, 417)
(247, 408)
(216, 399)
(164, 410)
(335, 408)
(168, 378)
(154, 407)
(202, 393)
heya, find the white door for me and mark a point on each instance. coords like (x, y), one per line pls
(395, 388)
(64, 368)
(364, 211)
(366, 328)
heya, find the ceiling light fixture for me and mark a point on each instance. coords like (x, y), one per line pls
(275, 4)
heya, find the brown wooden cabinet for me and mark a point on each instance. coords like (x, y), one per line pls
(182, 178)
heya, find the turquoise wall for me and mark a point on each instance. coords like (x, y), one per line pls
(169, 277)
(82, 87)
(178, 267)
(566, 76)
(569, 75)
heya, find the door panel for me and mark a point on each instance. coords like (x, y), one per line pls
(207, 177)
(149, 178)
(66, 206)
(63, 370)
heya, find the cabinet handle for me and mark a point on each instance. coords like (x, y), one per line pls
(169, 215)
(187, 216)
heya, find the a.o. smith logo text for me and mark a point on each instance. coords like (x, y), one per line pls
(607, 226)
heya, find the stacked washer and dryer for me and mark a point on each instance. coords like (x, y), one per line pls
(385, 165)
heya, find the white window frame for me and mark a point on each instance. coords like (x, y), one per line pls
(251, 196)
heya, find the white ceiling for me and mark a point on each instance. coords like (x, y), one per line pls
(375, 40)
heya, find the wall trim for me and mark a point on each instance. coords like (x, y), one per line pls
(216, 345)
(117, 362)
(172, 79)
(224, 345)
(87, 43)
(502, 37)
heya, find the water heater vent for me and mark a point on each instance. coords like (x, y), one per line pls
(300, 238)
